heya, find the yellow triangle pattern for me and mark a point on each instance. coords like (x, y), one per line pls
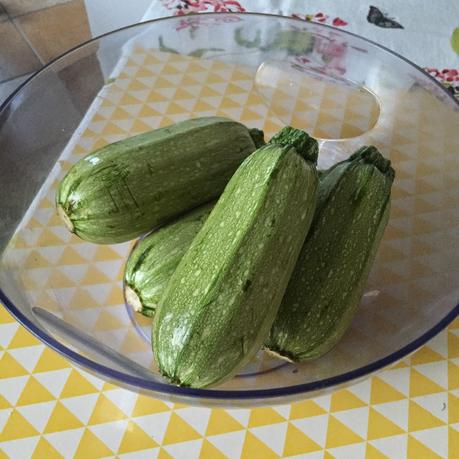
(4, 403)
(5, 316)
(178, 430)
(23, 338)
(71, 257)
(83, 300)
(339, 434)
(59, 280)
(453, 346)
(209, 451)
(296, 442)
(106, 253)
(10, 368)
(253, 447)
(221, 422)
(17, 427)
(105, 409)
(453, 442)
(264, 416)
(379, 426)
(34, 392)
(48, 238)
(147, 405)
(61, 419)
(372, 453)
(381, 392)
(305, 409)
(163, 454)
(135, 439)
(420, 418)
(107, 321)
(345, 400)
(179, 405)
(421, 385)
(91, 446)
(453, 408)
(77, 385)
(453, 376)
(416, 450)
(49, 361)
(94, 276)
(45, 450)
(425, 355)
(36, 260)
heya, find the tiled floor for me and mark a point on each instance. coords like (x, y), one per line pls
(17, 58)
(53, 31)
(3, 15)
(33, 32)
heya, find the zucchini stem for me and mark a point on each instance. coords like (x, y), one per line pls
(277, 355)
(132, 299)
(305, 145)
(68, 223)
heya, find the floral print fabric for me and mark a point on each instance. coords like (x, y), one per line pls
(424, 32)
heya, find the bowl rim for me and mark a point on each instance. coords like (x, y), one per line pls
(213, 394)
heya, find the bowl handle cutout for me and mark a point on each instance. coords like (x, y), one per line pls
(326, 105)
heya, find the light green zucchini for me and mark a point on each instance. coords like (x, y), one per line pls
(331, 272)
(127, 188)
(219, 304)
(155, 258)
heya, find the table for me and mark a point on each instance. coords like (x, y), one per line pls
(49, 408)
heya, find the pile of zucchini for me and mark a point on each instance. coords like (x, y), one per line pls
(251, 246)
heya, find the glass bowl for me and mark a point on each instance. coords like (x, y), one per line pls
(265, 71)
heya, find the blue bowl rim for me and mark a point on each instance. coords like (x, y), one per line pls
(212, 394)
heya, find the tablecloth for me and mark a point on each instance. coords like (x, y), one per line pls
(49, 408)
(427, 33)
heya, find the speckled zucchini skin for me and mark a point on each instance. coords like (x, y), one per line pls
(223, 297)
(331, 272)
(127, 188)
(155, 258)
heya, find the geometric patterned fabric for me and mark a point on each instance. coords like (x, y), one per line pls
(51, 409)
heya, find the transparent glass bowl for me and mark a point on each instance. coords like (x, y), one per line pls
(265, 71)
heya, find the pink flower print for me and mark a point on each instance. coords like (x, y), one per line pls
(333, 54)
(321, 18)
(337, 22)
(445, 75)
(196, 6)
(332, 48)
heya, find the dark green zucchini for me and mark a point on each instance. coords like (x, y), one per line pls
(219, 304)
(127, 188)
(331, 272)
(155, 258)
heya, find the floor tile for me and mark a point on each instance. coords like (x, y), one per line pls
(53, 31)
(83, 80)
(16, 58)
(9, 86)
(18, 7)
(3, 15)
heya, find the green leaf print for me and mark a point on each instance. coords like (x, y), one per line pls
(455, 40)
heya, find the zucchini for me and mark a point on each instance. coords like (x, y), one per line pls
(155, 257)
(221, 301)
(329, 278)
(127, 188)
